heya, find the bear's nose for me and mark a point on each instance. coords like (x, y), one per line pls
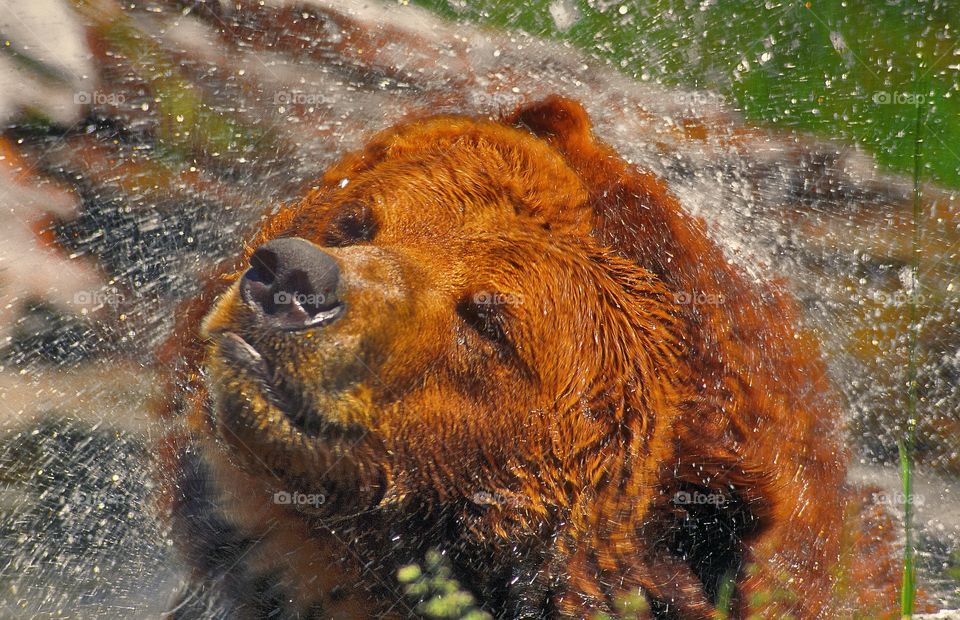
(293, 282)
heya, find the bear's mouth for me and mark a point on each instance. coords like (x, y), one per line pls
(276, 429)
(241, 355)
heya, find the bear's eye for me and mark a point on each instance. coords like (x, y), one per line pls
(352, 223)
(486, 313)
(489, 315)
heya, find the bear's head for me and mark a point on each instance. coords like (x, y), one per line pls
(453, 318)
(488, 336)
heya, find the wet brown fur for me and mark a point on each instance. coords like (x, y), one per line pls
(549, 463)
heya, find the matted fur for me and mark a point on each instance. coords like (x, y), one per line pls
(546, 369)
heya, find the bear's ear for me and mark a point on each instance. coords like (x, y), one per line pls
(560, 121)
(632, 210)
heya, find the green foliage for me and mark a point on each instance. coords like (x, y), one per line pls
(436, 593)
(907, 444)
(189, 124)
(839, 69)
(725, 595)
(627, 607)
(779, 599)
(953, 570)
(632, 606)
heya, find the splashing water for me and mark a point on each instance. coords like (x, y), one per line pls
(143, 140)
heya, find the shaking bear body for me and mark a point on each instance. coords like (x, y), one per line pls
(500, 340)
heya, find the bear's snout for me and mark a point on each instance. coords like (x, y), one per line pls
(292, 284)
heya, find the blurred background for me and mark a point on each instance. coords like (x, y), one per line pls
(141, 141)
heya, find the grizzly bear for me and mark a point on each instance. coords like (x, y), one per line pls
(499, 340)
